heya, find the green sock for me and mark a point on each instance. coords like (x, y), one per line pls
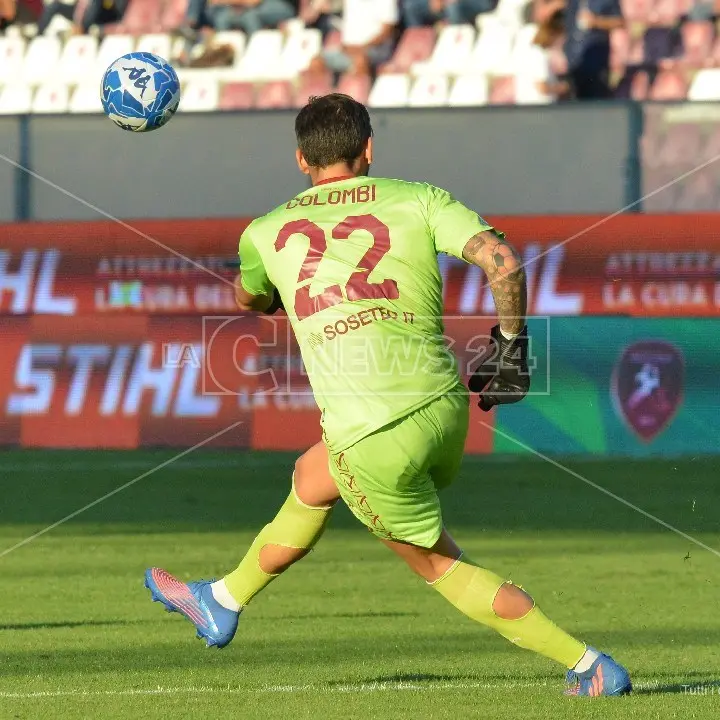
(472, 590)
(296, 526)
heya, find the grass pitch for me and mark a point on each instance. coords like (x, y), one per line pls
(349, 632)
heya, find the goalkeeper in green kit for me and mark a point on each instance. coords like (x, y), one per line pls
(354, 263)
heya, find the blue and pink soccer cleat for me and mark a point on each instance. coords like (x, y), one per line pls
(605, 677)
(195, 601)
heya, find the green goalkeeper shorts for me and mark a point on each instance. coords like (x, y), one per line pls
(390, 478)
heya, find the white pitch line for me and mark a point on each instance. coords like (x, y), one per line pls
(373, 687)
(277, 689)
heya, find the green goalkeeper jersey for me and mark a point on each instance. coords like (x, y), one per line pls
(355, 263)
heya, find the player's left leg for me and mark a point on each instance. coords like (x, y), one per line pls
(506, 608)
(214, 607)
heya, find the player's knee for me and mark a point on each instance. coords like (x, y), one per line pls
(512, 602)
(313, 484)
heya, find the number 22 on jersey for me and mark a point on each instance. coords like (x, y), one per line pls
(358, 287)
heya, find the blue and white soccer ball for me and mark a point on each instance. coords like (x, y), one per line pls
(140, 92)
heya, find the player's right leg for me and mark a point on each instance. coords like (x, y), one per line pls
(214, 607)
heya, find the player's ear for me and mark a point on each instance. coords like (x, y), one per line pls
(369, 151)
(302, 162)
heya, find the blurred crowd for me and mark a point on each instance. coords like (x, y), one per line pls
(577, 30)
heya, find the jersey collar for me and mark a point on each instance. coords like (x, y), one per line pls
(334, 179)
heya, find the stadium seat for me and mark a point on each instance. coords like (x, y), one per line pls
(77, 58)
(12, 53)
(157, 43)
(697, 43)
(452, 52)
(15, 99)
(659, 43)
(51, 97)
(142, 17)
(509, 12)
(42, 53)
(493, 51)
(234, 38)
(85, 99)
(429, 91)
(711, 148)
(415, 46)
(390, 90)
(502, 91)
(664, 200)
(299, 49)
(275, 95)
(469, 90)
(237, 96)
(173, 14)
(311, 84)
(262, 56)
(201, 94)
(356, 86)
(669, 85)
(705, 85)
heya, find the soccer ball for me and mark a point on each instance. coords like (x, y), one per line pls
(140, 92)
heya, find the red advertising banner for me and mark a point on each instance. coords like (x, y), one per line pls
(124, 335)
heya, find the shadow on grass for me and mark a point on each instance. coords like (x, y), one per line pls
(689, 687)
(66, 624)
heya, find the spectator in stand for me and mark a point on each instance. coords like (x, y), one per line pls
(7, 13)
(97, 12)
(321, 14)
(587, 46)
(455, 12)
(535, 81)
(246, 15)
(368, 29)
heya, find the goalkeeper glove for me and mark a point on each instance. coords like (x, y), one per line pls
(276, 304)
(503, 376)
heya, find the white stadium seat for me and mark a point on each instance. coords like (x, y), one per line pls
(705, 85)
(42, 53)
(77, 59)
(262, 56)
(390, 90)
(86, 99)
(200, 95)
(469, 91)
(300, 48)
(493, 51)
(51, 97)
(157, 43)
(451, 53)
(12, 53)
(15, 99)
(510, 12)
(429, 91)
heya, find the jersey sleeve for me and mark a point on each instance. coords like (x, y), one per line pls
(451, 223)
(253, 275)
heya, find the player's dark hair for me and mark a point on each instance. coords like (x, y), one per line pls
(332, 129)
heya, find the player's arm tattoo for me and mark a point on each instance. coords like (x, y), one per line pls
(506, 277)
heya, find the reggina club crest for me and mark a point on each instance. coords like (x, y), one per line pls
(647, 387)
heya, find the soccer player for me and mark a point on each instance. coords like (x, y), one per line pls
(353, 261)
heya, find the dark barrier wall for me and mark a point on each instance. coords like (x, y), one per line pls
(9, 148)
(563, 159)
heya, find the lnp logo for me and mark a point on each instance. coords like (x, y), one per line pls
(647, 386)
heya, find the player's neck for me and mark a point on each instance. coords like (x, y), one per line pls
(341, 171)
